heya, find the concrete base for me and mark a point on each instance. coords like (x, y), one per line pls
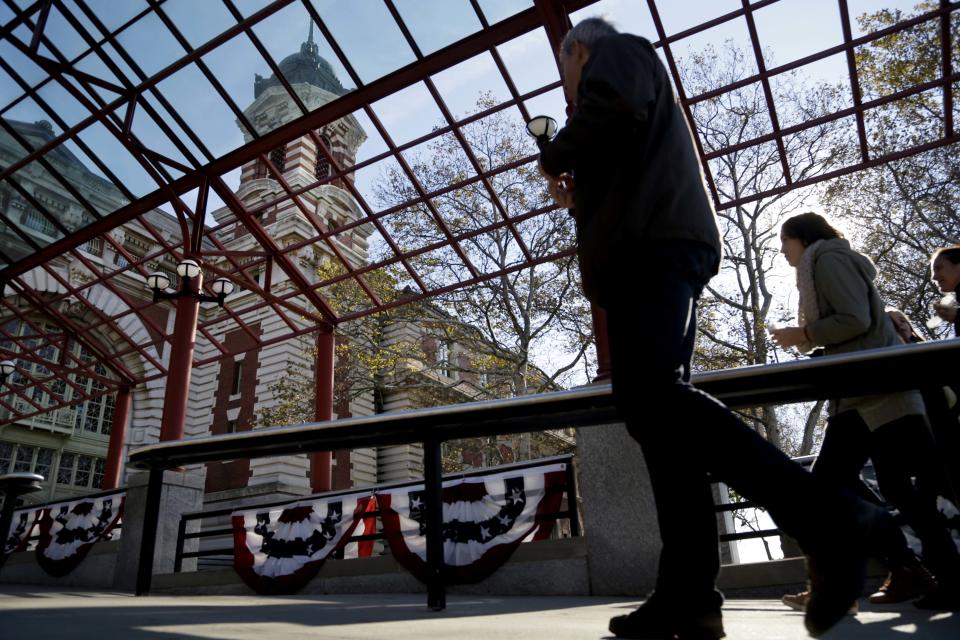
(549, 567)
(182, 492)
(95, 572)
(619, 516)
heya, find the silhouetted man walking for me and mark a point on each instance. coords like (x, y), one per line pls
(648, 243)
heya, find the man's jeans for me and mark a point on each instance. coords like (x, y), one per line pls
(684, 433)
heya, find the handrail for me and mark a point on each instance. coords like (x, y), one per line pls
(858, 373)
(85, 496)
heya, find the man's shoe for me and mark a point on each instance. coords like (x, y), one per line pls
(905, 583)
(837, 570)
(798, 602)
(652, 621)
(943, 598)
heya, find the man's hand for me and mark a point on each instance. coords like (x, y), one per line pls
(947, 312)
(789, 336)
(561, 189)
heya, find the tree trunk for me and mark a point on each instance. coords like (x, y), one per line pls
(806, 446)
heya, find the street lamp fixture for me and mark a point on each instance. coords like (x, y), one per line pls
(188, 269)
(542, 128)
(7, 367)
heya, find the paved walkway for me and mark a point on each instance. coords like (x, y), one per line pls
(40, 613)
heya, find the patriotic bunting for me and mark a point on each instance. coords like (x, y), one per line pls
(484, 520)
(69, 530)
(279, 551)
(21, 527)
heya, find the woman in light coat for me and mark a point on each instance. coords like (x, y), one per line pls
(841, 311)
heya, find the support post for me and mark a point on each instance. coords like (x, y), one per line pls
(321, 461)
(433, 502)
(181, 364)
(148, 541)
(118, 432)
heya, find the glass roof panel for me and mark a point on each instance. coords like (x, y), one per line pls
(233, 64)
(304, 56)
(93, 64)
(130, 76)
(250, 7)
(680, 16)
(778, 23)
(368, 35)
(116, 157)
(409, 113)
(163, 51)
(62, 104)
(10, 149)
(198, 22)
(35, 223)
(472, 85)
(499, 139)
(808, 92)
(814, 151)
(552, 103)
(530, 61)
(548, 234)
(384, 183)
(435, 24)
(860, 8)
(413, 228)
(904, 123)
(115, 13)
(68, 42)
(85, 90)
(204, 111)
(497, 10)
(873, 60)
(152, 137)
(24, 66)
(439, 162)
(632, 17)
(733, 33)
(162, 113)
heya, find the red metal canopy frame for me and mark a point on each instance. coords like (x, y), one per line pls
(78, 320)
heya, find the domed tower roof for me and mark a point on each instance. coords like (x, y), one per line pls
(307, 66)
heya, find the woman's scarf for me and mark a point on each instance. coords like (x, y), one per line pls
(808, 311)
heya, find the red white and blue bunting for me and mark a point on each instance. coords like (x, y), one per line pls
(279, 551)
(21, 528)
(485, 519)
(68, 530)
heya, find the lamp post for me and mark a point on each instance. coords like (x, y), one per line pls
(188, 299)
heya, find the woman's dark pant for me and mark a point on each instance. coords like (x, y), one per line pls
(684, 433)
(901, 451)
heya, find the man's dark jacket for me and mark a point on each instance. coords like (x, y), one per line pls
(637, 177)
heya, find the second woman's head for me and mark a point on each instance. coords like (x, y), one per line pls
(801, 231)
(945, 268)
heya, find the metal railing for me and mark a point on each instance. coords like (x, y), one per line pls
(925, 366)
(570, 513)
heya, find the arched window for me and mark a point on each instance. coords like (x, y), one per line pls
(278, 158)
(323, 163)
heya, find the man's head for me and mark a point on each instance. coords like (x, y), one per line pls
(575, 51)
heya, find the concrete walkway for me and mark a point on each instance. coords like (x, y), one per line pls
(40, 613)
